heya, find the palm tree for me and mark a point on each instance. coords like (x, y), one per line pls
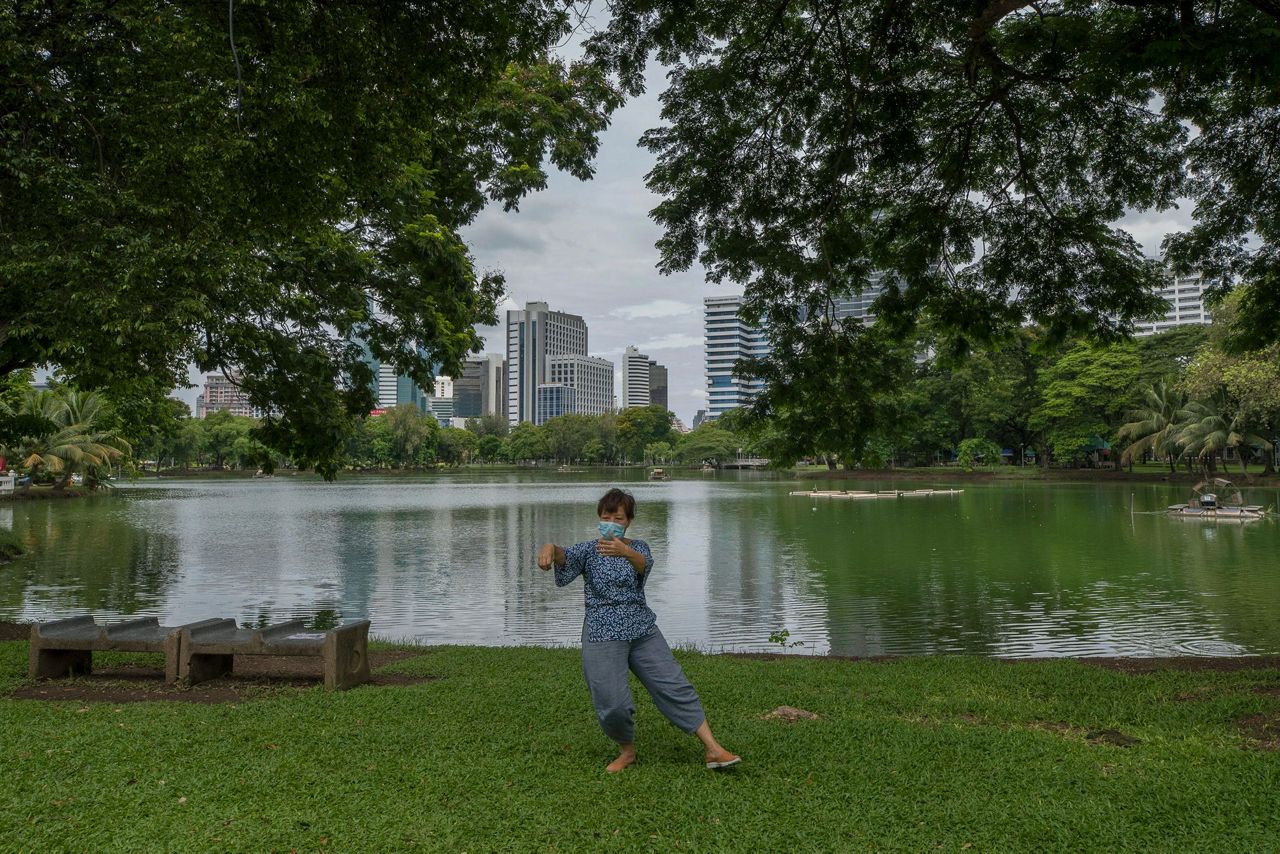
(1155, 426)
(74, 437)
(1210, 428)
(90, 413)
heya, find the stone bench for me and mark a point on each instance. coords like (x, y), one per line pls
(208, 651)
(62, 647)
(198, 651)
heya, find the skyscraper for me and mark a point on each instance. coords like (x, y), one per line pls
(392, 389)
(728, 339)
(590, 377)
(481, 390)
(534, 335)
(635, 378)
(224, 395)
(658, 385)
(1185, 297)
(554, 400)
(859, 305)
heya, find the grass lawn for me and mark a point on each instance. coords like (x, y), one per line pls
(501, 752)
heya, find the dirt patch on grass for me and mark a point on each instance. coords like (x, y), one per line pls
(1189, 663)
(1112, 737)
(14, 631)
(254, 677)
(1262, 730)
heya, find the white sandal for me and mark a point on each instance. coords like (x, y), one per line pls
(716, 766)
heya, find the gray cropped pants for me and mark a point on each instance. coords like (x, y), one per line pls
(605, 665)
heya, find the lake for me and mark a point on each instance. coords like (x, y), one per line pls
(1020, 570)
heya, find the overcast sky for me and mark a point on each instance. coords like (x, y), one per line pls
(587, 247)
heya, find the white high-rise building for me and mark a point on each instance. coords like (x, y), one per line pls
(534, 335)
(728, 339)
(388, 386)
(635, 379)
(859, 305)
(1185, 296)
(590, 377)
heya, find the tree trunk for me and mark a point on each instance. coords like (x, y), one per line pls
(1173, 465)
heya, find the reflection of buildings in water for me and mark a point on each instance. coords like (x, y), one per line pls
(754, 586)
(253, 552)
(534, 609)
(229, 554)
(674, 520)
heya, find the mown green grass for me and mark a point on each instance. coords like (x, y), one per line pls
(502, 753)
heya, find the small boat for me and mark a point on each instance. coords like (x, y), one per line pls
(1217, 499)
(708, 468)
(659, 474)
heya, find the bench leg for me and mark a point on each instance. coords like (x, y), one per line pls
(172, 659)
(201, 668)
(346, 657)
(55, 663)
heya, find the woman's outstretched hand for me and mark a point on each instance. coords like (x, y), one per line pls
(546, 556)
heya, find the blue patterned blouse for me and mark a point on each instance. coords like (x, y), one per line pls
(616, 610)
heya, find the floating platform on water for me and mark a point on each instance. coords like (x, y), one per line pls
(888, 493)
(1217, 499)
(1192, 511)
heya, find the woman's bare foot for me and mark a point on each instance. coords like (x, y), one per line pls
(625, 759)
(722, 758)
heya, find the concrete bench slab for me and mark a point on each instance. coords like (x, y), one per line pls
(196, 652)
(62, 647)
(209, 651)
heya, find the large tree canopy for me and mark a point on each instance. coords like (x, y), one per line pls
(267, 192)
(981, 151)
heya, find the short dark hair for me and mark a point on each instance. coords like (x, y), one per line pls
(615, 498)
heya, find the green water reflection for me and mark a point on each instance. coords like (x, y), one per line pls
(1022, 570)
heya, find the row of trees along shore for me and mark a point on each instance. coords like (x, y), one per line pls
(1184, 397)
(404, 437)
(1181, 398)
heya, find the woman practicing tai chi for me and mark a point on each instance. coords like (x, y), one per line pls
(621, 631)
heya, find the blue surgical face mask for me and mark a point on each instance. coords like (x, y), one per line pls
(611, 530)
